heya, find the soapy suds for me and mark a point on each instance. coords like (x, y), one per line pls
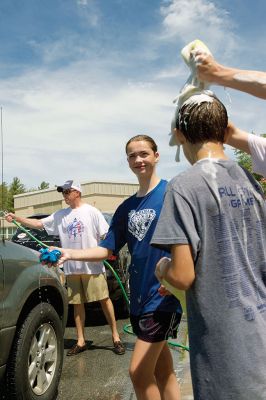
(192, 85)
(210, 168)
(197, 98)
(199, 56)
(201, 97)
(190, 103)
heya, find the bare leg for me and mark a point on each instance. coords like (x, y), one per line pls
(108, 309)
(79, 316)
(165, 376)
(143, 365)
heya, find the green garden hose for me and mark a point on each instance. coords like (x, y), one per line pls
(126, 327)
(106, 263)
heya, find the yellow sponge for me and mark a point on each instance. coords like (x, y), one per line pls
(195, 45)
(193, 84)
(179, 294)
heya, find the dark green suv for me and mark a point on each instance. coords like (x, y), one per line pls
(33, 315)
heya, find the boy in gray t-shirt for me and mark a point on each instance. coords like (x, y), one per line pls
(214, 222)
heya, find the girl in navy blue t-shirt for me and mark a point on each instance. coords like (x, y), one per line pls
(153, 317)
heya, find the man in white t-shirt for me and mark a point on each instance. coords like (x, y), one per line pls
(80, 226)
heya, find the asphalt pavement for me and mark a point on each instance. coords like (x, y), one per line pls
(99, 374)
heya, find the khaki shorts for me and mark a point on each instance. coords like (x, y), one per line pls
(86, 288)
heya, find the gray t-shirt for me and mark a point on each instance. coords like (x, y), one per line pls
(218, 208)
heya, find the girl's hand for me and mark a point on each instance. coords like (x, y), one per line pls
(163, 291)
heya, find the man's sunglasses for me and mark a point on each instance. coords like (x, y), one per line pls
(67, 191)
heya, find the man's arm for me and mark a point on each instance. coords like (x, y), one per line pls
(237, 138)
(29, 222)
(179, 271)
(209, 70)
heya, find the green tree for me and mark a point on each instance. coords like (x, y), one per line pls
(16, 187)
(43, 185)
(4, 196)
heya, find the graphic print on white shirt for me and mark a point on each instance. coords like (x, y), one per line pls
(140, 221)
(75, 229)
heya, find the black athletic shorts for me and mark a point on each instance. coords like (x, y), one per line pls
(155, 326)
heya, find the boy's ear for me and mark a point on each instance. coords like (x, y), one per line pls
(180, 138)
(227, 133)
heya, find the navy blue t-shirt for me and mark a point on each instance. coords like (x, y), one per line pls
(133, 223)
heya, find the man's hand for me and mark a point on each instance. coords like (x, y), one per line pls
(207, 67)
(9, 217)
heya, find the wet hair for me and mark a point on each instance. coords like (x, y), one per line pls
(203, 121)
(144, 138)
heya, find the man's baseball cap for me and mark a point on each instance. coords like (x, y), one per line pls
(69, 185)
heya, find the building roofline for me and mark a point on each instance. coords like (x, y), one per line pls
(82, 183)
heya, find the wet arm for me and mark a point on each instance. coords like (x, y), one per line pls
(252, 82)
(180, 271)
(92, 254)
(237, 138)
(28, 222)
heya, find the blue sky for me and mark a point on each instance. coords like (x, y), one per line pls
(78, 78)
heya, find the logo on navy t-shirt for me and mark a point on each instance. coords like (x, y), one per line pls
(140, 221)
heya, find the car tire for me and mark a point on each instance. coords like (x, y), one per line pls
(35, 364)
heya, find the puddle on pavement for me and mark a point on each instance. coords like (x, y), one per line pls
(91, 376)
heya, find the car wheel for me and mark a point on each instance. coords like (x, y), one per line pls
(35, 364)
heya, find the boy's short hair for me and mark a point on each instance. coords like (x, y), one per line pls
(201, 119)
